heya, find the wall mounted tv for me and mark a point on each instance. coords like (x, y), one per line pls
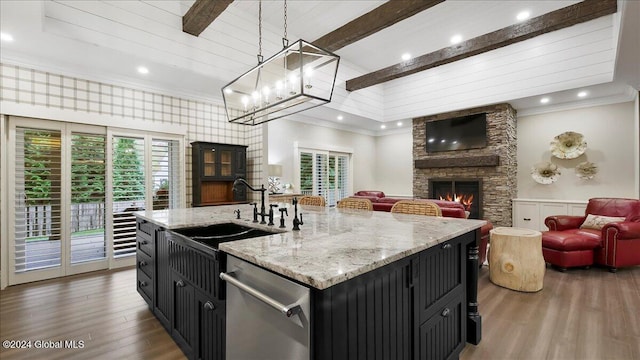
(465, 132)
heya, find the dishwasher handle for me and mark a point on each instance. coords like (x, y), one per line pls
(287, 310)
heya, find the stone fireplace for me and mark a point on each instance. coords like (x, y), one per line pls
(493, 168)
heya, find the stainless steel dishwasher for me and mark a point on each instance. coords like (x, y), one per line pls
(268, 316)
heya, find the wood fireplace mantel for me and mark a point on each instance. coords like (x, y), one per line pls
(463, 161)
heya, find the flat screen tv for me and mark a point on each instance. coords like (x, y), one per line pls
(465, 132)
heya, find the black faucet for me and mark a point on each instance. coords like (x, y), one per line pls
(255, 211)
(262, 212)
(296, 221)
(282, 212)
(271, 206)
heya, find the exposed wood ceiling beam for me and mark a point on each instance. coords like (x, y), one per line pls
(555, 20)
(375, 20)
(201, 14)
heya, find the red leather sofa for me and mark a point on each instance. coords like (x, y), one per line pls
(576, 240)
(449, 209)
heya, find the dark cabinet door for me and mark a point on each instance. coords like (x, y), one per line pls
(210, 328)
(226, 155)
(163, 304)
(442, 336)
(240, 171)
(183, 328)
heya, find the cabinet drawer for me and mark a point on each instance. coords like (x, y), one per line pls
(144, 242)
(442, 336)
(145, 287)
(145, 264)
(145, 226)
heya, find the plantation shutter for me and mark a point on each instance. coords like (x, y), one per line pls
(342, 179)
(306, 173)
(38, 172)
(325, 174)
(128, 192)
(165, 155)
(87, 218)
(322, 175)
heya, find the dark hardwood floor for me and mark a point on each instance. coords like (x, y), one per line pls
(580, 314)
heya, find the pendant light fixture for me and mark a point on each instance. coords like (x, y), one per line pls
(299, 77)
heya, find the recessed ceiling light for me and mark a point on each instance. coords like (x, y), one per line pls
(406, 56)
(383, 126)
(544, 100)
(143, 70)
(456, 39)
(399, 123)
(523, 15)
(6, 37)
(582, 94)
(340, 117)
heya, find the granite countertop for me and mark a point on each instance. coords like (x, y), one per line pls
(332, 246)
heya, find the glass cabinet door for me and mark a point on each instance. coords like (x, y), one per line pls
(209, 162)
(225, 163)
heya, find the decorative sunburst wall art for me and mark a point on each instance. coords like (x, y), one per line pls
(586, 170)
(568, 145)
(545, 173)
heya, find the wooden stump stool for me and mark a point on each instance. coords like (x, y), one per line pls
(515, 259)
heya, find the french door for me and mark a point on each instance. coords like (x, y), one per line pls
(325, 174)
(57, 227)
(75, 189)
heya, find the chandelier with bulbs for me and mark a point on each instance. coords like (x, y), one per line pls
(299, 77)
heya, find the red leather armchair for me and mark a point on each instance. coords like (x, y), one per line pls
(616, 244)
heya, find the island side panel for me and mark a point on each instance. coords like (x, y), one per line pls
(367, 317)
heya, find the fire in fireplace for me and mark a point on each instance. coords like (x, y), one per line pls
(466, 192)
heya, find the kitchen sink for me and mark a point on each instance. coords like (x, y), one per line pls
(212, 235)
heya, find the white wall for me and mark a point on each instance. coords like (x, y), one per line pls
(610, 133)
(283, 133)
(394, 164)
(637, 132)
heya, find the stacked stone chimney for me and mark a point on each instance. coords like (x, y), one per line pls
(495, 164)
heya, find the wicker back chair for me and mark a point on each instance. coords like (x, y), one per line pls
(416, 208)
(311, 200)
(355, 203)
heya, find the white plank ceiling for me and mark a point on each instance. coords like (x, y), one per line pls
(107, 40)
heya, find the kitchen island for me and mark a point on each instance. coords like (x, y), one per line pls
(381, 285)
